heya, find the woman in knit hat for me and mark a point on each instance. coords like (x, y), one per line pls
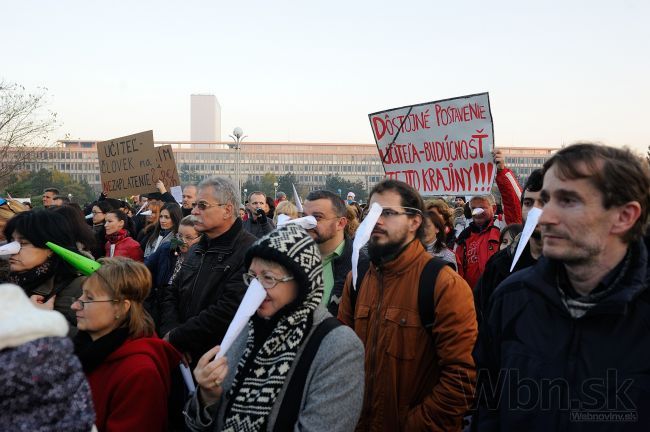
(43, 387)
(295, 367)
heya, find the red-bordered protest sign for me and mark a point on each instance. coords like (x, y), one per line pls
(439, 148)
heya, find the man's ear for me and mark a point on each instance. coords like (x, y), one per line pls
(341, 223)
(625, 217)
(415, 222)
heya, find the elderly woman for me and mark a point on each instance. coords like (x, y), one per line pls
(35, 268)
(127, 366)
(286, 371)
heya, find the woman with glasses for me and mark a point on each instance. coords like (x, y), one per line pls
(294, 367)
(165, 229)
(35, 268)
(127, 366)
(118, 240)
(165, 262)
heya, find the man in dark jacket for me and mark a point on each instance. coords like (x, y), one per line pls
(566, 346)
(330, 213)
(205, 294)
(258, 222)
(498, 266)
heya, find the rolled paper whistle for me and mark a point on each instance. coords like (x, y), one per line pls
(84, 264)
(10, 248)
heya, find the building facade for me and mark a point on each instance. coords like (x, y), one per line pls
(311, 163)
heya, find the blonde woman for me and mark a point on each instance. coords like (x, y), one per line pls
(127, 366)
(285, 208)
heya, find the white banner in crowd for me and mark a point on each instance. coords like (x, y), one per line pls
(439, 148)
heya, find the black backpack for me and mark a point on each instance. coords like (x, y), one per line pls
(425, 291)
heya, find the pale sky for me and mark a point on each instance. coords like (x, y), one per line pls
(556, 71)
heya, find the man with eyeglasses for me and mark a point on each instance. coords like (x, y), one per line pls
(259, 224)
(205, 293)
(416, 378)
(336, 249)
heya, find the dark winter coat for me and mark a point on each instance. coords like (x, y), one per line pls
(341, 266)
(205, 294)
(555, 371)
(258, 229)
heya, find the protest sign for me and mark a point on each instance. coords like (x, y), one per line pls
(165, 169)
(125, 165)
(439, 148)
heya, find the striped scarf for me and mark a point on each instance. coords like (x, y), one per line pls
(254, 394)
(579, 306)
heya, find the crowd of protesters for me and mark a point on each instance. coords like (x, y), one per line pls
(455, 315)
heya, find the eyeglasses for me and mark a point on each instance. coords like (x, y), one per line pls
(268, 281)
(97, 212)
(389, 212)
(186, 238)
(204, 205)
(83, 303)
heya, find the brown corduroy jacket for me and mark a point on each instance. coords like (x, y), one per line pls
(416, 380)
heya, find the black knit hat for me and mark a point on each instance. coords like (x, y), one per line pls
(293, 248)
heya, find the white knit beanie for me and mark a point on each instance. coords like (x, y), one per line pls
(21, 321)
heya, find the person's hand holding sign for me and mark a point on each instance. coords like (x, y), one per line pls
(161, 186)
(499, 159)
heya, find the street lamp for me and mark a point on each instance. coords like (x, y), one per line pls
(238, 136)
(275, 190)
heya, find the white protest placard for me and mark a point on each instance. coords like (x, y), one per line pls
(439, 148)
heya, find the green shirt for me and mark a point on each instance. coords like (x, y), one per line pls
(328, 272)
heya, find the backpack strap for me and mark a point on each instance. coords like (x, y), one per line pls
(426, 306)
(290, 408)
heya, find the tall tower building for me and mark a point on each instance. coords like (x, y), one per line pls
(205, 113)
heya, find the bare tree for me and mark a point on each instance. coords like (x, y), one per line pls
(25, 126)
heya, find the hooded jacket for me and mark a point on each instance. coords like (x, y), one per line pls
(554, 371)
(416, 380)
(131, 387)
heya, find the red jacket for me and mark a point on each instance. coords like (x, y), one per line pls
(126, 247)
(475, 247)
(131, 387)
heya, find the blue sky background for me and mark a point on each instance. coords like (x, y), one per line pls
(557, 71)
